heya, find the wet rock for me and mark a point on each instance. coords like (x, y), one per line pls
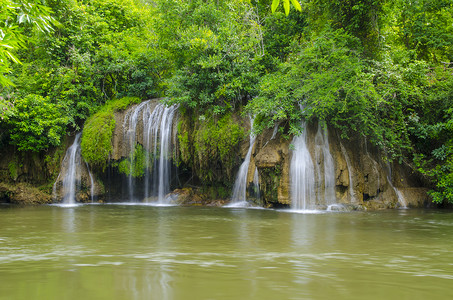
(23, 193)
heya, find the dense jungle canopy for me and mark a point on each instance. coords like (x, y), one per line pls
(382, 69)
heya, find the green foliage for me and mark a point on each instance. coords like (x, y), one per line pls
(211, 149)
(52, 162)
(135, 164)
(99, 52)
(13, 166)
(295, 3)
(217, 140)
(431, 130)
(425, 27)
(325, 80)
(281, 34)
(15, 16)
(359, 18)
(216, 58)
(6, 109)
(36, 123)
(97, 135)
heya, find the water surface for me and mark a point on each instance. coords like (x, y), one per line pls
(145, 252)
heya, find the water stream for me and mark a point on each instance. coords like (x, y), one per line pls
(401, 200)
(156, 124)
(91, 183)
(326, 183)
(130, 132)
(71, 172)
(302, 174)
(312, 182)
(239, 197)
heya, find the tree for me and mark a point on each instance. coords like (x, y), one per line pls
(15, 16)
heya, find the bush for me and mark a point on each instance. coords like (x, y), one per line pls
(97, 134)
(36, 123)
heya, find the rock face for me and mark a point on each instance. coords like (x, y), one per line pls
(86, 187)
(23, 194)
(362, 178)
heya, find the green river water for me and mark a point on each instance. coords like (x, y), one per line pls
(144, 252)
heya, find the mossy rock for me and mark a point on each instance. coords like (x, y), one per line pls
(97, 135)
(24, 194)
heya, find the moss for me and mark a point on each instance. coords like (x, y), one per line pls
(185, 140)
(97, 135)
(270, 181)
(13, 166)
(23, 193)
(215, 192)
(52, 161)
(217, 141)
(135, 163)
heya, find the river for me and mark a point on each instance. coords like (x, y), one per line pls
(145, 252)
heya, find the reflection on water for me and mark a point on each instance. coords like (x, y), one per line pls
(143, 252)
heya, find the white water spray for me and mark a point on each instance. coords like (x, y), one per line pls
(91, 183)
(130, 132)
(72, 177)
(401, 200)
(326, 183)
(302, 174)
(240, 184)
(157, 132)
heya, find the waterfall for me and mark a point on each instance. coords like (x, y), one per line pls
(130, 132)
(240, 184)
(256, 184)
(326, 183)
(162, 132)
(91, 183)
(302, 174)
(72, 177)
(157, 127)
(401, 200)
(312, 182)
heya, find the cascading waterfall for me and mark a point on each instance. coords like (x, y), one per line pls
(302, 174)
(151, 124)
(72, 176)
(162, 180)
(240, 184)
(256, 184)
(326, 183)
(91, 183)
(312, 182)
(157, 132)
(130, 132)
(401, 200)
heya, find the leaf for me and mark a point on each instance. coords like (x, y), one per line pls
(13, 58)
(286, 6)
(6, 46)
(20, 18)
(275, 4)
(296, 5)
